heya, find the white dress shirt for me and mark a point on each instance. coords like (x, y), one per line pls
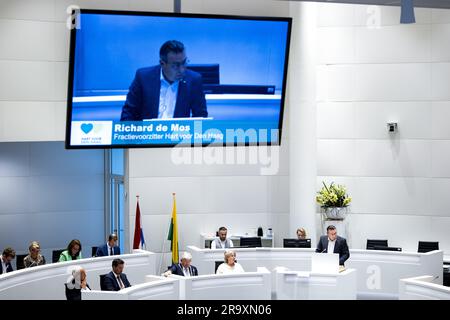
(109, 249)
(3, 264)
(331, 245)
(222, 244)
(167, 98)
(119, 281)
(224, 268)
(186, 271)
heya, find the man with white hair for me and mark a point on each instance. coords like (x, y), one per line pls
(184, 268)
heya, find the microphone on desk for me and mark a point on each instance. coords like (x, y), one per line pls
(324, 250)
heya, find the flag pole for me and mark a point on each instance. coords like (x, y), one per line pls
(144, 246)
(163, 246)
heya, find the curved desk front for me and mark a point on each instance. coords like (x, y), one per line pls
(304, 285)
(378, 272)
(238, 286)
(157, 289)
(423, 288)
(47, 282)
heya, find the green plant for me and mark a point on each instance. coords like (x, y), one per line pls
(333, 196)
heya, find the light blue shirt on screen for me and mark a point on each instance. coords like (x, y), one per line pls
(167, 98)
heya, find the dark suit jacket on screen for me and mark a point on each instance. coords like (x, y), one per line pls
(143, 97)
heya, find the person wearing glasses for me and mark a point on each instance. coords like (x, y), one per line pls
(34, 258)
(168, 90)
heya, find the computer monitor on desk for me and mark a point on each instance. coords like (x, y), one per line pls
(325, 263)
(250, 242)
(296, 243)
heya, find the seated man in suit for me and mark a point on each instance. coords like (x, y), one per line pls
(8, 255)
(116, 280)
(184, 268)
(167, 90)
(332, 243)
(110, 248)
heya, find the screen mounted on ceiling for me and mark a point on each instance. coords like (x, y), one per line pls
(140, 79)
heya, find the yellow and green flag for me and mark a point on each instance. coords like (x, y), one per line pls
(173, 233)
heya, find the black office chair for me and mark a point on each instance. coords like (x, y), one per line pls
(56, 254)
(427, 246)
(94, 252)
(250, 242)
(217, 264)
(373, 244)
(19, 261)
(102, 281)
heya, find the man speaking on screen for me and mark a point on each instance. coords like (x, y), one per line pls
(166, 91)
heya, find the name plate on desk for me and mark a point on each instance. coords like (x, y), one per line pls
(325, 263)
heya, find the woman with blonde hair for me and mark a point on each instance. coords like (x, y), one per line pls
(34, 258)
(301, 233)
(230, 265)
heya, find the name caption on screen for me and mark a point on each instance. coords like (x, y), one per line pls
(149, 128)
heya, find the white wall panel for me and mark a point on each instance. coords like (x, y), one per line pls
(407, 43)
(413, 118)
(440, 198)
(28, 120)
(440, 43)
(440, 80)
(400, 231)
(335, 120)
(335, 83)
(440, 16)
(392, 158)
(336, 45)
(381, 82)
(42, 10)
(26, 80)
(336, 157)
(27, 40)
(335, 15)
(440, 116)
(441, 158)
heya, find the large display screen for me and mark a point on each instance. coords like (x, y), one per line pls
(141, 79)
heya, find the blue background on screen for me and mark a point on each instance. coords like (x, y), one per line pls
(110, 48)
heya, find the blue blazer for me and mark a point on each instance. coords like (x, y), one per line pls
(143, 97)
(110, 282)
(177, 269)
(9, 268)
(103, 251)
(340, 247)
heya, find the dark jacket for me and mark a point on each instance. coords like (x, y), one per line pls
(103, 251)
(110, 282)
(9, 267)
(143, 97)
(340, 247)
(178, 269)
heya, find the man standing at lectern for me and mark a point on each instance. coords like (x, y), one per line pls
(332, 243)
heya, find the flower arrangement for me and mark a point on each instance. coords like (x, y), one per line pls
(333, 196)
